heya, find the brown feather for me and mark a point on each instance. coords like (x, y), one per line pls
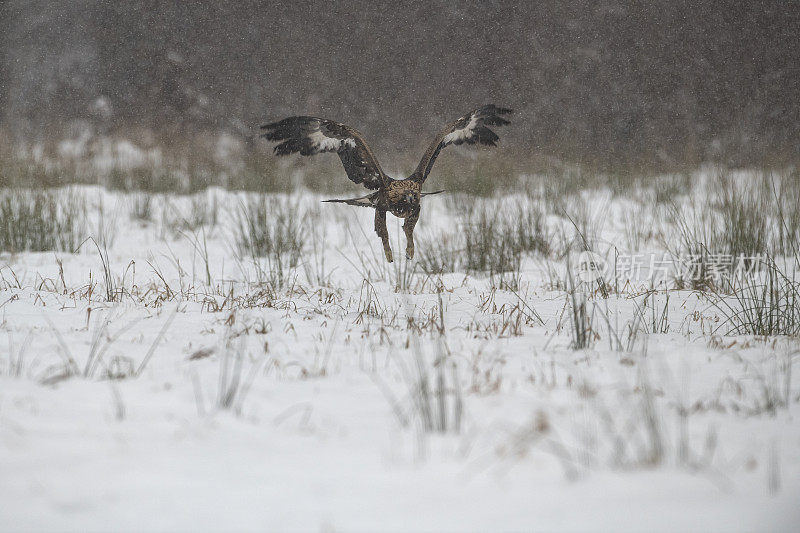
(471, 129)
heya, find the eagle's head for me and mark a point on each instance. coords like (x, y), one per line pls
(411, 199)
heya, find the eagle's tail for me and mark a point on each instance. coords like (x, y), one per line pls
(364, 201)
(369, 200)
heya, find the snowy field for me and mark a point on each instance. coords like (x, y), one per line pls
(161, 378)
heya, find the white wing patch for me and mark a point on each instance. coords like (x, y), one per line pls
(323, 143)
(462, 134)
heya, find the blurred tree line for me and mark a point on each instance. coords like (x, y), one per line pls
(667, 81)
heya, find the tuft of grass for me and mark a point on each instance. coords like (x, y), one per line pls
(202, 213)
(581, 322)
(628, 427)
(438, 254)
(16, 364)
(668, 188)
(148, 179)
(271, 228)
(106, 228)
(697, 232)
(403, 270)
(39, 221)
(198, 214)
(765, 304)
(233, 384)
(743, 232)
(736, 231)
(786, 197)
(114, 291)
(530, 227)
(490, 240)
(582, 224)
(439, 407)
(32, 172)
(97, 364)
(142, 207)
(316, 270)
(434, 403)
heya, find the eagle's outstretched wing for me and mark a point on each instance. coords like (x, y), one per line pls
(471, 128)
(311, 135)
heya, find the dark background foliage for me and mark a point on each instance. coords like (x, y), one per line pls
(669, 82)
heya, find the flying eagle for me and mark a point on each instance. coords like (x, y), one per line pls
(311, 135)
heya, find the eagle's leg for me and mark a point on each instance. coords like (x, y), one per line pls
(408, 228)
(383, 233)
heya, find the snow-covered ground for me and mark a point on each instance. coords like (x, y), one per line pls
(188, 405)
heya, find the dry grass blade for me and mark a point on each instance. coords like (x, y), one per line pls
(158, 338)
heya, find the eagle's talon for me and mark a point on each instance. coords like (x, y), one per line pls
(409, 254)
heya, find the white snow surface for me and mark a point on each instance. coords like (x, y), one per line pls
(551, 438)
